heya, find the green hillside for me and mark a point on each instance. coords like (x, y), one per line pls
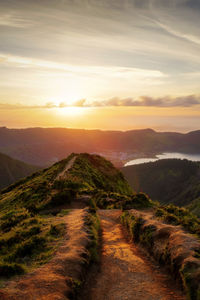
(168, 181)
(27, 227)
(12, 170)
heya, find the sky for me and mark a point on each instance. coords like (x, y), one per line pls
(108, 64)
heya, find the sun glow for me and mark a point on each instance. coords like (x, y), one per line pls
(71, 111)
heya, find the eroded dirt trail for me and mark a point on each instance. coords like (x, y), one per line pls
(125, 273)
(69, 165)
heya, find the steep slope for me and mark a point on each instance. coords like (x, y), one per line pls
(60, 183)
(27, 227)
(168, 181)
(43, 146)
(12, 170)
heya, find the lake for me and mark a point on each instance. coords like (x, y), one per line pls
(193, 157)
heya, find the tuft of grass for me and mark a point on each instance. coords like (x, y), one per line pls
(179, 216)
(93, 223)
(57, 230)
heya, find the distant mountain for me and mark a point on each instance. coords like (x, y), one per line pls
(12, 170)
(44, 146)
(168, 181)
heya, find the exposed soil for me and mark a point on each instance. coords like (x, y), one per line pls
(125, 273)
(52, 281)
(68, 166)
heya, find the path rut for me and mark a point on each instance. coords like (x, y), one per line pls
(125, 273)
(69, 165)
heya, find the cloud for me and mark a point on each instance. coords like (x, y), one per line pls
(184, 101)
(95, 70)
(143, 101)
(98, 48)
(11, 20)
(189, 37)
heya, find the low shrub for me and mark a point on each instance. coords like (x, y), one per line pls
(12, 218)
(179, 216)
(27, 248)
(62, 197)
(138, 201)
(9, 270)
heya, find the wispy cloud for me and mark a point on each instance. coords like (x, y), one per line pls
(189, 37)
(185, 101)
(97, 49)
(143, 101)
(12, 20)
(107, 71)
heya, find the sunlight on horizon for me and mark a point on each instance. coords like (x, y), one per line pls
(70, 111)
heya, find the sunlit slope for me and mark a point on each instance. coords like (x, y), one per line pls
(29, 232)
(89, 172)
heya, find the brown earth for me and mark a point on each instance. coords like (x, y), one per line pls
(68, 166)
(53, 280)
(125, 273)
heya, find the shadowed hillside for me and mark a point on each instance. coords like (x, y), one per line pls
(12, 170)
(168, 181)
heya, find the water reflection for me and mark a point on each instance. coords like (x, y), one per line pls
(193, 157)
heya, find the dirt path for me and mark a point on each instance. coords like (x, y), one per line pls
(61, 175)
(50, 282)
(125, 274)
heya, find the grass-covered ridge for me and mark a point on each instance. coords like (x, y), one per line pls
(95, 172)
(29, 233)
(28, 238)
(46, 189)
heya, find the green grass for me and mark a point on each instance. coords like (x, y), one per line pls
(173, 257)
(26, 241)
(111, 200)
(179, 216)
(29, 233)
(95, 172)
(93, 223)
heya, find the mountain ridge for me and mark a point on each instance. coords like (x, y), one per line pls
(44, 146)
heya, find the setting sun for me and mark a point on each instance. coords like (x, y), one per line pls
(70, 111)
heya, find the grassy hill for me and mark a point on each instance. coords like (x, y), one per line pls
(37, 216)
(29, 232)
(44, 146)
(12, 170)
(168, 181)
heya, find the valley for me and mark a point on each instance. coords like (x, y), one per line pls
(77, 230)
